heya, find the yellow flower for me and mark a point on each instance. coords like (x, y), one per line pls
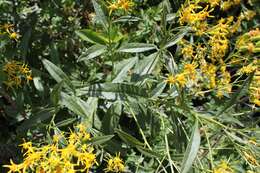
(13, 167)
(16, 73)
(112, 7)
(187, 51)
(115, 164)
(214, 3)
(170, 79)
(180, 78)
(14, 36)
(88, 159)
(7, 27)
(190, 71)
(125, 4)
(247, 69)
(223, 168)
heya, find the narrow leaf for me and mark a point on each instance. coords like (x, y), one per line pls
(98, 140)
(136, 47)
(191, 150)
(147, 65)
(93, 52)
(126, 66)
(113, 91)
(128, 138)
(100, 15)
(92, 36)
(54, 71)
(176, 38)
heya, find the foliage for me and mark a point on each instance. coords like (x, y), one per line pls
(171, 86)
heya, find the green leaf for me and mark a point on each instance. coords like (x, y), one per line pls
(128, 138)
(111, 120)
(147, 65)
(235, 97)
(92, 36)
(136, 47)
(55, 93)
(93, 52)
(159, 89)
(176, 38)
(56, 73)
(25, 42)
(125, 65)
(38, 83)
(113, 91)
(127, 19)
(98, 140)
(100, 15)
(36, 119)
(54, 70)
(191, 150)
(66, 122)
(75, 104)
(148, 152)
(54, 53)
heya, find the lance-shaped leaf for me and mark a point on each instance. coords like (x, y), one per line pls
(100, 15)
(127, 19)
(148, 152)
(76, 105)
(113, 91)
(92, 36)
(57, 73)
(176, 38)
(129, 139)
(191, 150)
(124, 66)
(92, 52)
(36, 119)
(54, 71)
(147, 65)
(136, 47)
(98, 140)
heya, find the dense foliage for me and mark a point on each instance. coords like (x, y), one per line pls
(130, 86)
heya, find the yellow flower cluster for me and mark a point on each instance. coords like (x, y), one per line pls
(16, 73)
(249, 42)
(211, 59)
(223, 168)
(254, 90)
(249, 45)
(115, 164)
(219, 39)
(181, 79)
(125, 5)
(8, 28)
(69, 153)
(195, 15)
(75, 156)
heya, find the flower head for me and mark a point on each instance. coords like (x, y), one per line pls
(115, 164)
